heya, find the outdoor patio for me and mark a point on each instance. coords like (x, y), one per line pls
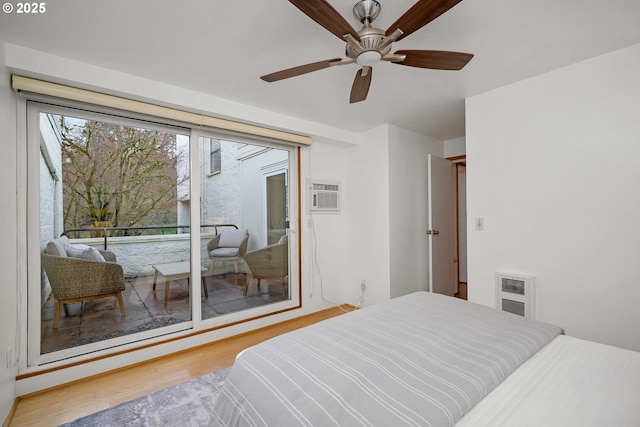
(100, 319)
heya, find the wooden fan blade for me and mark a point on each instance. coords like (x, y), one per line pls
(420, 14)
(301, 69)
(434, 59)
(361, 84)
(325, 15)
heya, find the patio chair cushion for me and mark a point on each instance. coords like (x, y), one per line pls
(224, 252)
(232, 239)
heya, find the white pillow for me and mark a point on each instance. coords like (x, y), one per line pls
(92, 254)
(75, 251)
(84, 252)
(54, 247)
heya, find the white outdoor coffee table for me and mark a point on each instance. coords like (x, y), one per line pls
(176, 270)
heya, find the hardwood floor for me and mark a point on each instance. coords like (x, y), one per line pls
(462, 291)
(80, 398)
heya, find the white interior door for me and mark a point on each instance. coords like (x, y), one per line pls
(462, 223)
(442, 222)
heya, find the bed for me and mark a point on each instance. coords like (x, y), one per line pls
(430, 360)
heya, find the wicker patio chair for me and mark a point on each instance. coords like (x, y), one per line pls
(270, 262)
(76, 280)
(228, 246)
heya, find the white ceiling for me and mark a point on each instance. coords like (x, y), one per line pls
(221, 47)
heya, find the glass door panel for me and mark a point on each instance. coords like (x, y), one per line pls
(237, 217)
(114, 230)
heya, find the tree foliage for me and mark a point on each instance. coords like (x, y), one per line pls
(117, 175)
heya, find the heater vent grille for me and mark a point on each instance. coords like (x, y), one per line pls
(516, 294)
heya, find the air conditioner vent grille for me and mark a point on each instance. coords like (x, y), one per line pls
(324, 196)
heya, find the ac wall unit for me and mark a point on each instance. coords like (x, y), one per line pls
(324, 196)
(516, 294)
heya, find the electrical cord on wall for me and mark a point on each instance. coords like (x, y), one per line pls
(317, 267)
(363, 286)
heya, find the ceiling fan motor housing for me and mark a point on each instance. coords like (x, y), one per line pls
(370, 37)
(367, 10)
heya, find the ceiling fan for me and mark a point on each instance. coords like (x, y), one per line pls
(371, 45)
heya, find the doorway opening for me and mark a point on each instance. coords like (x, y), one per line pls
(460, 164)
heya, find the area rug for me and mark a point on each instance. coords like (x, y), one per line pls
(185, 404)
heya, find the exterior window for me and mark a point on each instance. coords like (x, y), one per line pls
(215, 156)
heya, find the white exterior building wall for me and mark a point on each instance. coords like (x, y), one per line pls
(254, 170)
(51, 220)
(138, 254)
(221, 192)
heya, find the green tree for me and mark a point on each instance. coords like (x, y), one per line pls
(118, 175)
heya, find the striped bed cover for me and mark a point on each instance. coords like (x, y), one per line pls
(418, 360)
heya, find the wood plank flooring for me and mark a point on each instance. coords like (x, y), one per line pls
(462, 291)
(80, 398)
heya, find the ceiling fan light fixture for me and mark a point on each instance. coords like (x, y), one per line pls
(368, 58)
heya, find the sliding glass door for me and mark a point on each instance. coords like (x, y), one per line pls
(113, 258)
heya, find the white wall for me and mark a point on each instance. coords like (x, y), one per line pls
(554, 168)
(387, 212)
(368, 215)
(408, 152)
(455, 147)
(8, 249)
(327, 252)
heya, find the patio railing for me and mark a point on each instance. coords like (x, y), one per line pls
(106, 232)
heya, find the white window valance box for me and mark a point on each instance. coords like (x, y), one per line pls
(82, 95)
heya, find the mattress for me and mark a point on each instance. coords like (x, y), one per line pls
(422, 360)
(570, 382)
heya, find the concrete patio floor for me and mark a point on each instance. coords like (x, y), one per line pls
(100, 319)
